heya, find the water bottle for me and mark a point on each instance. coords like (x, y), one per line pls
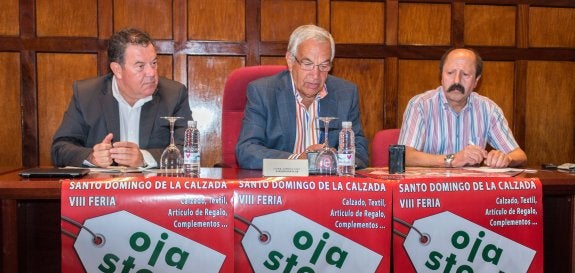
(346, 151)
(192, 150)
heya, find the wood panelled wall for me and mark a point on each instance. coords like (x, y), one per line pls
(389, 48)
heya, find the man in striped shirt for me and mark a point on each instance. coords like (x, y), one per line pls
(452, 125)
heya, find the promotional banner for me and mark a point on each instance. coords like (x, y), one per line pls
(464, 224)
(147, 224)
(312, 224)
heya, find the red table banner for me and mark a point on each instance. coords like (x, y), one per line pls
(147, 224)
(312, 224)
(468, 224)
(302, 224)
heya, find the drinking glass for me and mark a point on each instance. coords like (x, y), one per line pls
(326, 160)
(172, 161)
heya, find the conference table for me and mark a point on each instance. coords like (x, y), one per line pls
(30, 217)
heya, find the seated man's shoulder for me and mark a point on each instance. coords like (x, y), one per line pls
(85, 88)
(165, 83)
(99, 80)
(266, 86)
(480, 98)
(426, 96)
(339, 81)
(341, 87)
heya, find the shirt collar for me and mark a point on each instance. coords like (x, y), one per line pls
(120, 98)
(445, 104)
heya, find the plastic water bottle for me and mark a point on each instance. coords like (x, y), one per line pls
(192, 150)
(346, 151)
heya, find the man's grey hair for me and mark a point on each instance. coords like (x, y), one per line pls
(306, 32)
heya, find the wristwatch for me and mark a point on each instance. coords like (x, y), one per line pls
(448, 160)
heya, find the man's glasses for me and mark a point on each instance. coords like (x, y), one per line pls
(309, 66)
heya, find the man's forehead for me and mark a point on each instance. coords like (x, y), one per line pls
(466, 61)
(139, 53)
(461, 54)
(314, 48)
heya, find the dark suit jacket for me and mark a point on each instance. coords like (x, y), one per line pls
(93, 113)
(269, 124)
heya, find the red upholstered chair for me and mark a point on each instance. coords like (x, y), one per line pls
(380, 146)
(234, 101)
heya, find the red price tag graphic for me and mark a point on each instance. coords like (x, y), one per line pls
(124, 242)
(446, 242)
(286, 241)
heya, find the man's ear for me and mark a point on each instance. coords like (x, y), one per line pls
(289, 60)
(116, 69)
(476, 81)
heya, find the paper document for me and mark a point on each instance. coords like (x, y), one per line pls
(494, 170)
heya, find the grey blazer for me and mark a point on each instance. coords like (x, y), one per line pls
(269, 124)
(93, 113)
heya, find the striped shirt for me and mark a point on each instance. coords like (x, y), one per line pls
(307, 124)
(431, 126)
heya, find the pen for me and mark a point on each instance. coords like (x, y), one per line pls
(470, 142)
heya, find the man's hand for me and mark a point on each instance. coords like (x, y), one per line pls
(101, 156)
(497, 159)
(127, 154)
(471, 155)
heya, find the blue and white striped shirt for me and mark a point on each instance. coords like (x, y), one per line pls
(430, 125)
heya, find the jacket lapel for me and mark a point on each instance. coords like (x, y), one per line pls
(111, 112)
(147, 119)
(286, 108)
(328, 108)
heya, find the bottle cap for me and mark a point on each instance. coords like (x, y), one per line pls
(346, 124)
(192, 123)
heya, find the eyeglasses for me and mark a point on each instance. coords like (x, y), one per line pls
(309, 66)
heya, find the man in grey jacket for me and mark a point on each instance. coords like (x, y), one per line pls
(280, 118)
(116, 118)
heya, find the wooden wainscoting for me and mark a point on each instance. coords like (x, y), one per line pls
(391, 49)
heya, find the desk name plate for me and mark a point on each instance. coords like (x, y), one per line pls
(285, 167)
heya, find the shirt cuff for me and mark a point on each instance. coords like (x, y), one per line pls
(87, 163)
(149, 160)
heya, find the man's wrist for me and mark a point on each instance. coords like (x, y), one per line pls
(448, 160)
(148, 160)
(90, 161)
(144, 162)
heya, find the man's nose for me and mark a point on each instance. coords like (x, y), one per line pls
(315, 71)
(457, 78)
(150, 70)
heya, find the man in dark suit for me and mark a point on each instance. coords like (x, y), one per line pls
(116, 118)
(280, 118)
